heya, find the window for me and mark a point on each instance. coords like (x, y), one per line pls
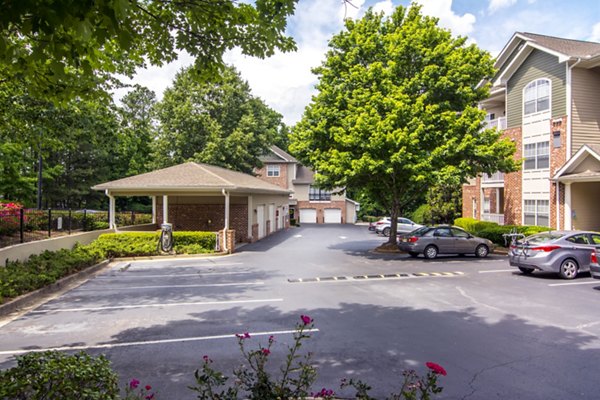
(459, 233)
(442, 232)
(595, 238)
(536, 212)
(537, 155)
(578, 239)
(536, 97)
(273, 170)
(316, 194)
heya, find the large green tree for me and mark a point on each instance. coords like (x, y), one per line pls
(219, 123)
(62, 48)
(397, 110)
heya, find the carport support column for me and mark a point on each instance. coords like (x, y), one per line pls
(226, 227)
(250, 216)
(111, 211)
(568, 210)
(165, 209)
(154, 209)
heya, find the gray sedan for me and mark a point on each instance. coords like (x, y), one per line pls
(444, 239)
(594, 266)
(564, 252)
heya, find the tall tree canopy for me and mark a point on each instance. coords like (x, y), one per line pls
(397, 110)
(219, 123)
(61, 48)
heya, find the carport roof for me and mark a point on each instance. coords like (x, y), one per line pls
(192, 177)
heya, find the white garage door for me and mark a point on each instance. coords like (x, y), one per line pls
(333, 216)
(308, 216)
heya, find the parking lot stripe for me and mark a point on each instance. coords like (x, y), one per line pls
(149, 342)
(374, 277)
(199, 303)
(197, 274)
(575, 283)
(174, 286)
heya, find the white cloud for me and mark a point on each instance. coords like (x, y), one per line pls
(351, 9)
(496, 5)
(595, 37)
(386, 6)
(442, 9)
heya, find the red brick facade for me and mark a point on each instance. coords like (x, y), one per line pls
(470, 195)
(513, 182)
(320, 207)
(207, 217)
(281, 180)
(558, 157)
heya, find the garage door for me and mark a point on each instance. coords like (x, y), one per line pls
(333, 216)
(308, 216)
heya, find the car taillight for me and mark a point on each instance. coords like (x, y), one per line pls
(412, 239)
(545, 249)
(594, 258)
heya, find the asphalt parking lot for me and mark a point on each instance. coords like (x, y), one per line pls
(499, 334)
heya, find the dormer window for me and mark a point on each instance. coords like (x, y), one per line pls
(273, 170)
(536, 97)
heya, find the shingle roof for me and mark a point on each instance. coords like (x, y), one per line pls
(192, 176)
(277, 155)
(569, 47)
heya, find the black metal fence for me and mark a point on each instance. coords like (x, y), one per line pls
(27, 225)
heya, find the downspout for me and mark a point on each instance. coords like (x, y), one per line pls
(570, 106)
(226, 228)
(557, 205)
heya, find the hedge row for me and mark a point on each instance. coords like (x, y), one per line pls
(493, 231)
(18, 278)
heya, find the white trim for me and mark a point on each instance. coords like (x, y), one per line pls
(569, 108)
(250, 215)
(153, 209)
(165, 209)
(275, 170)
(509, 71)
(576, 160)
(558, 205)
(568, 215)
(536, 80)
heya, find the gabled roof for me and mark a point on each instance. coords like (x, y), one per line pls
(568, 172)
(277, 155)
(304, 175)
(192, 177)
(522, 44)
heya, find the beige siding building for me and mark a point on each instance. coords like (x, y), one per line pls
(545, 97)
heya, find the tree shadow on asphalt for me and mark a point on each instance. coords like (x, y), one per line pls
(506, 358)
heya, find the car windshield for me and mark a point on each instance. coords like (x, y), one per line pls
(542, 238)
(420, 231)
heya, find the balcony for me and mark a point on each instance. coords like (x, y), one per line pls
(497, 218)
(499, 123)
(494, 180)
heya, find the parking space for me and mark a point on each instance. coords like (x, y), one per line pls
(375, 315)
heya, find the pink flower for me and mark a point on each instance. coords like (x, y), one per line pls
(150, 396)
(244, 335)
(306, 319)
(436, 368)
(266, 352)
(148, 387)
(134, 383)
(206, 359)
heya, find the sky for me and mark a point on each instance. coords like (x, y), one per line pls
(285, 81)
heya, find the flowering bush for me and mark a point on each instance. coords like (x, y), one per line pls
(135, 391)
(9, 218)
(252, 381)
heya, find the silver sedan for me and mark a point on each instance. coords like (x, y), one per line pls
(432, 241)
(566, 253)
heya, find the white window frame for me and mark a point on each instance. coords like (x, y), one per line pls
(536, 209)
(273, 170)
(536, 152)
(536, 87)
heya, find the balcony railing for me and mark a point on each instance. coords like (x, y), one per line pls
(495, 177)
(497, 218)
(499, 123)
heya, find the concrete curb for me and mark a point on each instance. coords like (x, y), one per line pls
(40, 296)
(171, 256)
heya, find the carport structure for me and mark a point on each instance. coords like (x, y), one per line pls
(202, 197)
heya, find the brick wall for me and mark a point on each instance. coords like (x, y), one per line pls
(513, 183)
(280, 180)
(320, 207)
(558, 157)
(470, 193)
(207, 217)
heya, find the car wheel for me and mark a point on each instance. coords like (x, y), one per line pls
(430, 252)
(413, 254)
(568, 269)
(482, 251)
(386, 232)
(526, 271)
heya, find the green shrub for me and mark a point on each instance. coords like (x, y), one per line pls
(130, 244)
(206, 240)
(54, 375)
(422, 215)
(43, 269)
(493, 231)
(293, 221)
